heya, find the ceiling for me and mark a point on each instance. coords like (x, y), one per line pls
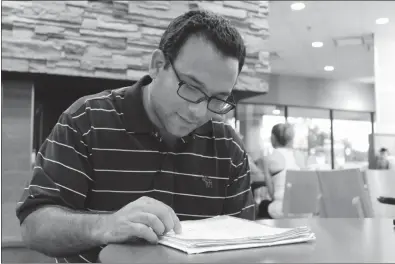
(292, 32)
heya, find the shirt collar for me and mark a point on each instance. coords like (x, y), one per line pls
(136, 118)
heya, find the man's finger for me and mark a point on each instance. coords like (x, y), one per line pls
(150, 220)
(144, 232)
(177, 225)
(161, 211)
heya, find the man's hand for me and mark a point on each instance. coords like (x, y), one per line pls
(144, 218)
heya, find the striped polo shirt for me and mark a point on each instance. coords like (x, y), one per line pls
(104, 153)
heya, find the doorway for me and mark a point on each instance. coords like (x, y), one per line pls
(55, 93)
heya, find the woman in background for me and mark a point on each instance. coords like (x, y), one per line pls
(275, 167)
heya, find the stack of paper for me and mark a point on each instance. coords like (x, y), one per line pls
(227, 232)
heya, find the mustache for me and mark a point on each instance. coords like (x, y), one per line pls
(191, 120)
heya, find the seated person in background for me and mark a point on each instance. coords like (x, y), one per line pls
(382, 162)
(132, 162)
(258, 184)
(275, 167)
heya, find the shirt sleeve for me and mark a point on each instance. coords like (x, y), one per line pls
(239, 200)
(62, 174)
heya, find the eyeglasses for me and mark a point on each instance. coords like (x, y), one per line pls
(194, 95)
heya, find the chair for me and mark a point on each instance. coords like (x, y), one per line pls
(302, 195)
(381, 183)
(344, 194)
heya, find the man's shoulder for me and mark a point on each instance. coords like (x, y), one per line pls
(104, 99)
(225, 131)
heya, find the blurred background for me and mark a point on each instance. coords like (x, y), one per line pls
(325, 67)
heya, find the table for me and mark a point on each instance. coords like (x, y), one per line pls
(338, 240)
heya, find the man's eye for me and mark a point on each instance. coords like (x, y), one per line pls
(194, 89)
(222, 97)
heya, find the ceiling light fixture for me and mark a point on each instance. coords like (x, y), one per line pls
(382, 21)
(317, 44)
(298, 6)
(329, 68)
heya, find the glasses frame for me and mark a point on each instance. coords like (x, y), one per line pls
(205, 97)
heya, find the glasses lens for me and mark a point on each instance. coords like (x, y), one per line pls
(219, 106)
(190, 93)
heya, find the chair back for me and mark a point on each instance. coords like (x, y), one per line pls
(301, 194)
(344, 194)
(381, 183)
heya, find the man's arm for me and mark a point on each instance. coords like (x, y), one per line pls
(52, 210)
(58, 189)
(59, 232)
(239, 201)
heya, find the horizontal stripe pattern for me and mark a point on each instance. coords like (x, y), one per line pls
(96, 109)
(93, 163)
(61, 164)
(67, 146)
(169, 192)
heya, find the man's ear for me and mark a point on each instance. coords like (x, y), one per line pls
(157, 63)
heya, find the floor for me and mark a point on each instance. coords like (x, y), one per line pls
(12, 184)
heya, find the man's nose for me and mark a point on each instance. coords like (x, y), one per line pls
(199, 110)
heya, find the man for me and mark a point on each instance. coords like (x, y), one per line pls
(382, 159)
(132, 162)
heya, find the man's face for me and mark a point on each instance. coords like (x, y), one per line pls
(200, 65)
(384, 154)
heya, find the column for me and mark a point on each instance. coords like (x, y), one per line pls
(17, 134)
(384, 70)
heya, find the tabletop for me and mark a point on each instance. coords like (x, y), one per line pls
(337, 240)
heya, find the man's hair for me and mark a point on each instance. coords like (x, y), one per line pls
(284, 133)
(382, 150)
(213, 28)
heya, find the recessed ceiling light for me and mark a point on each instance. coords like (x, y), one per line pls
(276, 112)
(298, 6)
(317, 44)
(382, 21)
(329, 68)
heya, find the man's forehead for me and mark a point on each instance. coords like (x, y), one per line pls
(199, 83)
(200, 63)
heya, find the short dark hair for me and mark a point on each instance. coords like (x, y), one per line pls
(284, 133)
(382, 150)
(213, 28)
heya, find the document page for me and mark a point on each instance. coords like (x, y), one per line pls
(224, 228)
(227, 232)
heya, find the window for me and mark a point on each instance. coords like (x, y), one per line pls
(255, 123)
(312, 142)
(351, 139)
(271, 116)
